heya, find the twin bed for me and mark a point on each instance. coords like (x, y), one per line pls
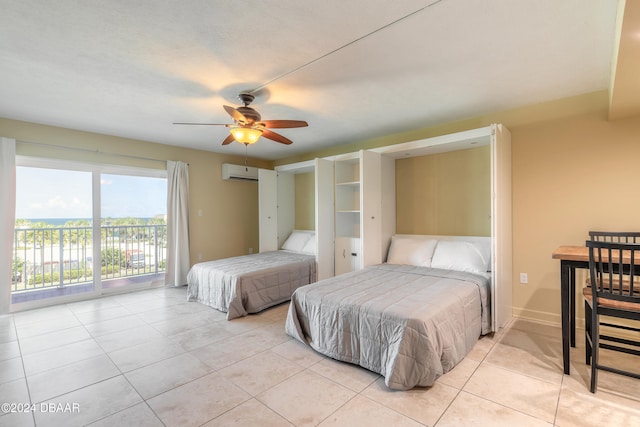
(251, 283)
(411, 319)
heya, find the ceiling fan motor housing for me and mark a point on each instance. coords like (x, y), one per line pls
(252, 115)
(247, 111)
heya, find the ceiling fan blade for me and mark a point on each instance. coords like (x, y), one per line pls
(284, 123)
(228, 140)
(276, 137)
(202, 124)
(235, 114)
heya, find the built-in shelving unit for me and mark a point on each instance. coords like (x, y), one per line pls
(347, 198)
(364, 184)
(347, 214)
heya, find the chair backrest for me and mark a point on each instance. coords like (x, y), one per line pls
(615, 236)
(614, 268)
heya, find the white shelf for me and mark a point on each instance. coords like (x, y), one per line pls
(348, 184)
(347, 171)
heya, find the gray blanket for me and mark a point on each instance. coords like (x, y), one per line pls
(250, 283)
(410, 324)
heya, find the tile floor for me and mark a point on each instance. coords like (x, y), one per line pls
(150, 359)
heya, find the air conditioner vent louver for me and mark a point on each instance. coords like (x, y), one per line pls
(238, 172)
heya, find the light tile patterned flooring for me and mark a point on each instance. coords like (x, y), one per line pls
(150, 359)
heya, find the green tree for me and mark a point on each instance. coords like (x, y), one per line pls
(23, 223)
(78, 231)
(113, 257)
(16, 269)
(157, 221)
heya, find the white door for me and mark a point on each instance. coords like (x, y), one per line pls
(388, 219)
(347, 254)
(370, 209)
(324, 218)
(268, 209)
(501, 225)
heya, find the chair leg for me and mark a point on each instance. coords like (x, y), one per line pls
(587, 333)
(595, 343)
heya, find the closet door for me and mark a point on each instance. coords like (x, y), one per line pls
(501, 228)
(268, 209)
(371, 208)
(324, 218)
(388, 219)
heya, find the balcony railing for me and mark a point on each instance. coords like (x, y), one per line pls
(64, 256)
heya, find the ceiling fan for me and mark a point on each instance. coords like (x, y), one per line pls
(248, 125)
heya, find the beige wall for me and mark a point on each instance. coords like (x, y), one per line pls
(229, 222)
(305, 204)
(447, 193)
(569, 176)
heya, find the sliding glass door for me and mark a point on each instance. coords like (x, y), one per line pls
(133, 229)
(52, 249)
(85, 230)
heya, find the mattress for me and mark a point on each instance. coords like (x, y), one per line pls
(250, 283)
(409, 324)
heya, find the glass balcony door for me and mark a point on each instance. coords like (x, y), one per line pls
(85, 230)
(133, 229)
(53, 238)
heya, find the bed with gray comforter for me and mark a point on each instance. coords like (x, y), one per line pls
(410, 324)
(250, 283)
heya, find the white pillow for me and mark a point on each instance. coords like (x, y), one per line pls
(296, 241)
(460, 256)
(310, 246)
(411, 251)
(485, 251)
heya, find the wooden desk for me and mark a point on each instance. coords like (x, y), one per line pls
(572, 257)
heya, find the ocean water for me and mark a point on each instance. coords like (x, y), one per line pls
(55, 221)
(58, 222)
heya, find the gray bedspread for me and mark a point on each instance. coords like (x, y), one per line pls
(250, 283)
(410, 324)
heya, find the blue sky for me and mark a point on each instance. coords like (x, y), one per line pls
(52, 193)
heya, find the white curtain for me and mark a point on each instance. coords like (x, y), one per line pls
(7, 218)
(177, 223)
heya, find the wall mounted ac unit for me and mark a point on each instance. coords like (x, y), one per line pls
(238, 172)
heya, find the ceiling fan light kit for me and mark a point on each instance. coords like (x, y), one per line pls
(246, 135)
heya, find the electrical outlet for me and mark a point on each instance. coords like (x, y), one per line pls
(524, 278)
(199, 257)
(250, 251)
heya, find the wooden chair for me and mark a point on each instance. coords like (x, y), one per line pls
(614, 270)
(615, 236)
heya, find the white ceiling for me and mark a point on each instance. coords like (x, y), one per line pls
(131, 68)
